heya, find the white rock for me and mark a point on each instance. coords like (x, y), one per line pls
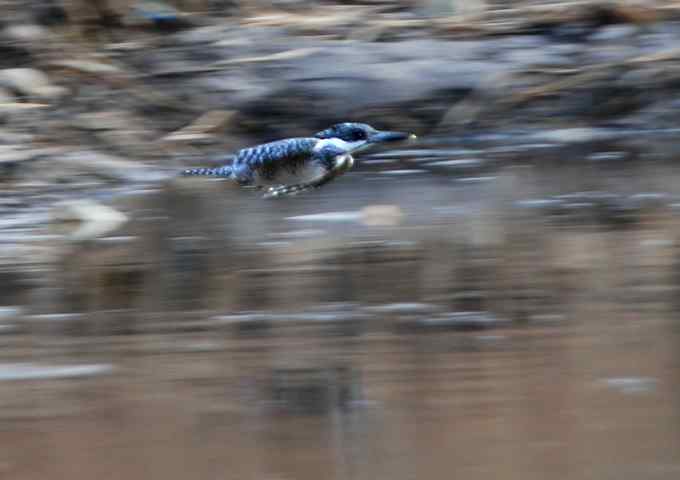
(25, 33)
(94, 218)
(30, 81)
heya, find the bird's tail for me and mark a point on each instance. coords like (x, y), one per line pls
(225, 171)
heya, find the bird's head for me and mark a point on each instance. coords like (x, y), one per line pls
(357, 136)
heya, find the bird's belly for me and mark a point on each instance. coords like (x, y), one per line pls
(291, 176)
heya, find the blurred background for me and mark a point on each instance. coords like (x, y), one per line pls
(496, 300)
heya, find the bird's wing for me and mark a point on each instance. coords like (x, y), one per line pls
(275, 162)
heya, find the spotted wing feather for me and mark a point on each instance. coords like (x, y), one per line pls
(273, 163)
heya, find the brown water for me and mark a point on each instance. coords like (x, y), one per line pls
(224, 336)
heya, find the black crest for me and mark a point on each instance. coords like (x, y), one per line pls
(348, 131)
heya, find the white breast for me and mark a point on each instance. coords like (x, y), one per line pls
(339, 144)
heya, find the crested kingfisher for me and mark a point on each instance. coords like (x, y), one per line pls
(293, 165)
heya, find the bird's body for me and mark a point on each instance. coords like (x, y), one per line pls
(297, 164)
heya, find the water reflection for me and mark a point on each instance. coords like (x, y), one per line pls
(385, 326)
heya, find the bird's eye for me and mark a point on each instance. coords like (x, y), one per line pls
(359, 135)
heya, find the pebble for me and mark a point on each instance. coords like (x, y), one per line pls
(94, 219)
(25, 33)
(31, 82)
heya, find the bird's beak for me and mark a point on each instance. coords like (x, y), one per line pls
(383, 137)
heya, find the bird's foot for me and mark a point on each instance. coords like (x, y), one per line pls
(287, 190)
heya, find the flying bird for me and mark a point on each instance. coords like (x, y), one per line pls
(293, 165)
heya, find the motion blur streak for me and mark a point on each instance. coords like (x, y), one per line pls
(496, 300)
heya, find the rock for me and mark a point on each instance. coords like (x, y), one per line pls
(381, 215)
(93, 219)
(25, 33)
(30, 82)
(353, 80)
